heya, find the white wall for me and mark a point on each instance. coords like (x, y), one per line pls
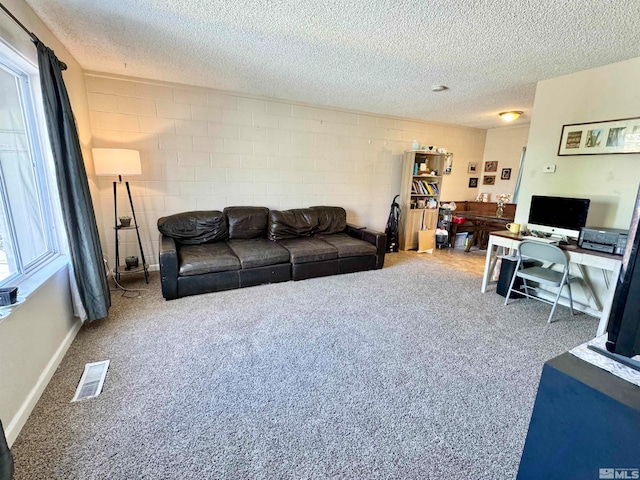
(205, 149)
(33, 339)
(610, 181)
(504, 145)
(455, 187)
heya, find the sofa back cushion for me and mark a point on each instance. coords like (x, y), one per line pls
(330, 219)
(247, 222)
(297, 222)
(194, 228)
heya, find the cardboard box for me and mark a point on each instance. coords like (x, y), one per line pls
(426, 241)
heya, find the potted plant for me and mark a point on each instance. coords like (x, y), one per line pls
(501, 199)
(125, 221)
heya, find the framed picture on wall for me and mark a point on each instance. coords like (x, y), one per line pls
(490, 166)
(473, 182)
(601, 138)
(489, 180)
(506, 174)
(473, 167)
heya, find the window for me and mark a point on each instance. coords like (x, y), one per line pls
(27, 235)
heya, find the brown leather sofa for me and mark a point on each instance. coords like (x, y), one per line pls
(209, 251)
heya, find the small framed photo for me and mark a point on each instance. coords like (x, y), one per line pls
(473, 182)
(489, 180)
(490, 166)
(506, 174)
(473, 167)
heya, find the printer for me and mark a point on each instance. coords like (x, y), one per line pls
(602, 239)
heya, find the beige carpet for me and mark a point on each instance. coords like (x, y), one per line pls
(406, 372)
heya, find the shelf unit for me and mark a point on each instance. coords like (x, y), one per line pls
(421, 169)
(122, 269)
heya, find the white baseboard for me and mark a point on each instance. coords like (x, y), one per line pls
(15, 425)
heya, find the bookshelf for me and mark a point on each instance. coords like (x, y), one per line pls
(419, 194)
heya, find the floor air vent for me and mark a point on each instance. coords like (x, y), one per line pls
(92, 380)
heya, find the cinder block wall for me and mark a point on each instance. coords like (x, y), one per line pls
(205, 149)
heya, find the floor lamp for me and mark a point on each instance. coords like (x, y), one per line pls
(118, 162)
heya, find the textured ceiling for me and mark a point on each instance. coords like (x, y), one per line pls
(379, 56)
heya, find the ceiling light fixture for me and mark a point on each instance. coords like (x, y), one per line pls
(439, 88)
(510, 116)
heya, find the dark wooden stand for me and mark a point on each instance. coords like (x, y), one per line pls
(122, 269)
(482, 226)
(584, 419)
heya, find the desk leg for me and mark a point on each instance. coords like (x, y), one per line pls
(608, 303)
(489, 265)
(589, 285)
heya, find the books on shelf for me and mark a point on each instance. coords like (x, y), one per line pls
(423, 187)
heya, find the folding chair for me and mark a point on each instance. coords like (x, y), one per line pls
(543, 275)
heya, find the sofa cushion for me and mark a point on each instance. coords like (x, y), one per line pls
(293, 223)
(247, 222)
(258, 252)
(194, 228)
(330, 219)
(348, 246)
(206, 258)
(308, 249)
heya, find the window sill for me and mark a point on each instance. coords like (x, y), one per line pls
(30, 285)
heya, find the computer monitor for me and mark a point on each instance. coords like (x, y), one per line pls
(558, 216)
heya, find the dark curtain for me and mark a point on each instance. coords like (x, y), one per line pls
(80, 221)
(6, 462)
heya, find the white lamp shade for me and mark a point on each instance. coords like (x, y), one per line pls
(116, 161)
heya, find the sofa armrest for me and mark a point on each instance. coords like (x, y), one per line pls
(168, 260)
(356, 227)
(353, 228)
(377, 239)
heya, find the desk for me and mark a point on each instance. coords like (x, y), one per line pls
(482, 225)
(579, 256)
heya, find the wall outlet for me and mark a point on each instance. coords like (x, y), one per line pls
(549, 169)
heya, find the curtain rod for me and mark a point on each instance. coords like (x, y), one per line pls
(35, 39)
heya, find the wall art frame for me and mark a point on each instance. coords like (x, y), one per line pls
(600, 138)
(491, 166)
